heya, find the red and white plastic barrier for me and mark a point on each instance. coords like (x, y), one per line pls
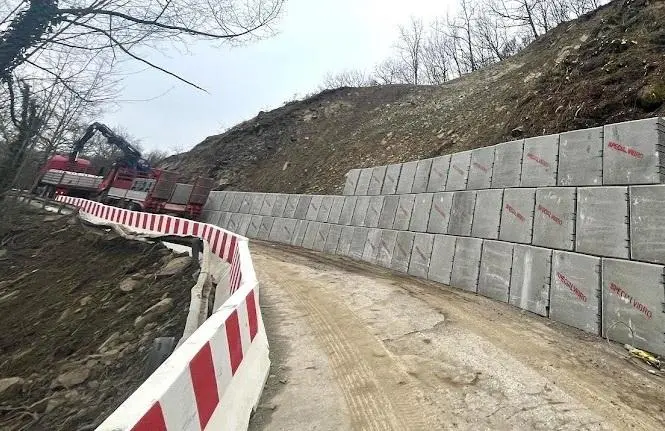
(214, 380)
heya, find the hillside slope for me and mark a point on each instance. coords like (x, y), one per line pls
(608, 66)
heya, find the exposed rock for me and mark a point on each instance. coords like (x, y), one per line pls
(517, 132)
(651, 96)
(128, 284)
(174, 267)
(11, 385)
(110, 341)
(72, 378)
(86, 300)
(3, 252)
(153, 312)
(53, 404)
(65, 315)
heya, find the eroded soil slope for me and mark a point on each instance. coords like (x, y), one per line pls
(79, 311)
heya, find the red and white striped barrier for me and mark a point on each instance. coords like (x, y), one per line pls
(214, 380)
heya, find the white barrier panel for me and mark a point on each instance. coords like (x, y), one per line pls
(214, 380)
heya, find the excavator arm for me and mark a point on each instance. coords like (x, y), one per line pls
(132, 156)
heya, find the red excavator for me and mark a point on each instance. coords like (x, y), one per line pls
(131, 182)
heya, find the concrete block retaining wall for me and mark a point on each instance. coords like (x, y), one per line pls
(559, 243)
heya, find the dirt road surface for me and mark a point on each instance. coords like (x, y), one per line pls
(362, 348)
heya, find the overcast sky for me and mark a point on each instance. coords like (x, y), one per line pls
(315, 37)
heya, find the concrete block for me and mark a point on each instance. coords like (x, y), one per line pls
(254, 226)
(507, 170)
(422, 207)
(243, 224)
(336, 209)
(372, 246)
(406, 177)
(634, 152)
(461, 213)
(633, 296)
(647, 218)
(346, 216)
(441, 263)
(440, 214)
(214, 202)
(344, 246)
(332, 241)
(602, 221)
(303, 207)
(387, 217)
(423, 169)
(403, 213)
(265, 228)
(237, 202)
(257, 203)
(310, 235)
(575, 291)
(421, 254)
(540, 161)
(246, 203)
(517, 215)
(480, 171)
(496, 263)
(439, 174)
(288, 230)
(291, 205)
(376, 180)
(234, 223)
(321, 236)
(554, 218)
(360, 211)
(386, 247)
(363, 181)
(280, 205)
(391, 179)
(581, 158)
(374, 211)
(324, 208)
(487, 214)
(228, 200)
(275, 234)
(466, 264)
(530, 279)
(351, 182)
(402, 251)
(223, 221)
(268, 204)
(358, 242)
(300, 231)
(458, 174)
(314, 207)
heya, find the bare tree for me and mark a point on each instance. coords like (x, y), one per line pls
(410, 48)
(390, 71)
(346, 78)
(435, 58)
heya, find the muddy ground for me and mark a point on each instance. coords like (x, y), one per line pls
(360, 347)
(79, 311)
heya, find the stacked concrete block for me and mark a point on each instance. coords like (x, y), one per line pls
(633, 298)
(403, 212)
(303, 207)
(214, 202)
(391, 179)
(517, 215)
(575, 291)
(507, 171)
(363, 181)
(254, 226)
(554, 218)
(324, 209)
(439, 217)
(310, 235)
(443, 253)
(530, 279)
(291, 205)
(245, 203)
(358, 242)
(237, 202)
(647, 222)
(374, 211)
(423, 169)
(234, 223)
(351, 181)
(257, 204)
(227, 201)
(336, 209)
(487, 214)
(466, 263)
(321, 236)
(243, 224)
(372, 245)
(438, 174)
(602, 221)
(314, 207)
(406, 177)
(461, 213)
(300, 231)
(268, 204)
(388, 211)
(360, 211)
(634, 152)
(421, 254)
(480, 171)
(420, 214)
(345, 238)
(275, 234)
(496, 263)
(279, 206)
(346, 216)
(402, 251)
(540, 161)
(386, 247)
(265, 228)
(376, 181)
(458, 173)
(222, 219)
(581, 158)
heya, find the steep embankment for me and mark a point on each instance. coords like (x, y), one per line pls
(608, 66)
